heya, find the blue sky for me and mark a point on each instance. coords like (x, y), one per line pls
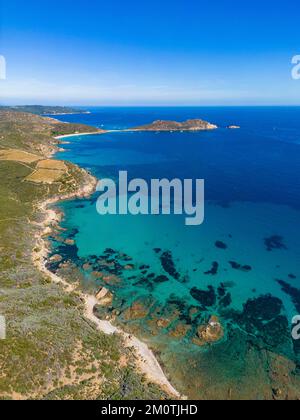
(119, 52)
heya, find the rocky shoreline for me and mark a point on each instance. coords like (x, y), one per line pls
(146, 361)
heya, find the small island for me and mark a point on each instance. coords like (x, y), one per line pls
(189, 125)
(233, 127)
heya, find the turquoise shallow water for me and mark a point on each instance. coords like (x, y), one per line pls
(242, 265)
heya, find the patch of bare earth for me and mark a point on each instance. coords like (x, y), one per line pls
(18, 156)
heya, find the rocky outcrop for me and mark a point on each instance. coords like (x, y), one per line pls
(210, 333)
(104, 296)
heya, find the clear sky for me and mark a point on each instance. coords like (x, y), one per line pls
(158, 52)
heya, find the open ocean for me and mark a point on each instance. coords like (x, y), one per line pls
(242, 265)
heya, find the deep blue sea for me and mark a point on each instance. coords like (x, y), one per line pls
(242, 265)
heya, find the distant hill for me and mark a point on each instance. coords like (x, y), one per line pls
(22, 130)
(189, 125)
(44, 110)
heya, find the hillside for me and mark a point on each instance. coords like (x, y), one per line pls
(189, 125)
(43, 110)
(51, 350)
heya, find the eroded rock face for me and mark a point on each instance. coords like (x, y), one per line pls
(104, 296)
(210, 333)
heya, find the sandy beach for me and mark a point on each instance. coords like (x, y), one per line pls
(80, 134)
(146, 362)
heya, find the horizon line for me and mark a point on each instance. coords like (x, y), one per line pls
(151, 106)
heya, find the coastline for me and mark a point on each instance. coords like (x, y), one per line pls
(146, 361)
(79, 134)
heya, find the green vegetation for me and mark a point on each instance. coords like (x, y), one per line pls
(43, 110)
(51, 350)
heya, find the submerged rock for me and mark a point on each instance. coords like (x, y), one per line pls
(55, 258)
(69, 242)
(129, 267)
(137, 310)
(180, 331)
(87, 267)
(163, 323)
(112, 279)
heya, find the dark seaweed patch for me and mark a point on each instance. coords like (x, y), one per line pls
(183, 309)
(240, 267)
(221, 245)
(263, 308)
(221, 290)
(145, 283)
(262, 319)
(292, 292)
(168, 265)
(207, 298)
(225, 301)
(274, 242)
(214, 269)
(160, 279)
(109, 251)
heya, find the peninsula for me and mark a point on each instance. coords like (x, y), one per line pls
(44, 110)
(189, 125)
